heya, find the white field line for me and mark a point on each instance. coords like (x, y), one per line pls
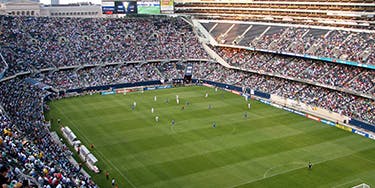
(297, 163)
(368, 160)
(285, 171)
(347, 182)
(102, 156)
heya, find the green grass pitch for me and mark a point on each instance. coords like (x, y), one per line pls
(269, 148)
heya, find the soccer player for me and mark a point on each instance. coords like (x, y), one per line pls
(157, 118)
(107, 175)
(178, 101)
(113, 182)
(206, 95)
(245, 115)
(310, 165)
(133, 107)
(214, 124)
(155, 98)
(248, 105)
(173, 122)
(152, 110)
(135, 104)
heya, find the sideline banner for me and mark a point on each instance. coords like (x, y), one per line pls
(362, 133)
(107, 92)
(344, 127)
(312, 117)
(328, 122)
(157, 87)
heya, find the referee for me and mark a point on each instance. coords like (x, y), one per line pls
(310, 165)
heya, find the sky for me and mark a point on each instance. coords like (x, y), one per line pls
(47, 2)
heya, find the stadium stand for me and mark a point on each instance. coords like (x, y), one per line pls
(347, 13)
(337, 44)
(340, 102)
(331, 74)
(29, 149)
(58, 54)
(47, 42)
(336, 101)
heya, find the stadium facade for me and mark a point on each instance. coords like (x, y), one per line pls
(352, 14)
(31, 8)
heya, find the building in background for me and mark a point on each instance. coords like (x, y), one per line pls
(55, 2)
(31, 8)
(72, 10)
(20, 7)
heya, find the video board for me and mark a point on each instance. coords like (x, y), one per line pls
(148, 7)
(119, 7)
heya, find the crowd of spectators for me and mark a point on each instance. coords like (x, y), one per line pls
(338, 44)
(171, 70)
(314, 71)
(71, 53)
(336, 101)
(30, 43)
(29, 152)
(349, 77)
(111, 74)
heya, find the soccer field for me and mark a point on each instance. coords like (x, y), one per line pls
(268, 148)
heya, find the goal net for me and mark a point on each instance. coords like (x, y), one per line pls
(363, 185)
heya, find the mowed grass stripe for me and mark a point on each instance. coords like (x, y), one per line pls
(129, 130)
(184, 129)
(266, 166)
(346, 167)
(204, 146)
(270, 142)
(170, 169)
(115, 113)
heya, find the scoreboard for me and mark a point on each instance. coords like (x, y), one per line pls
(141, 7)
(167, 6)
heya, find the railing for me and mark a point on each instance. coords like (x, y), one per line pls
(5, 67)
